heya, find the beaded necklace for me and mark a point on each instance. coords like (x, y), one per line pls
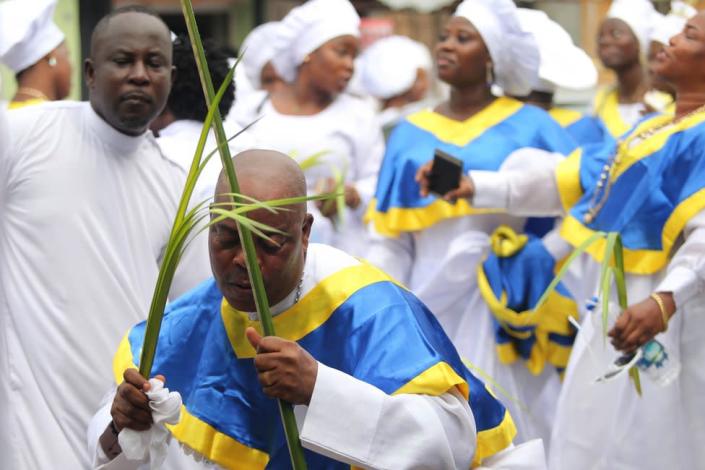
(606, 180)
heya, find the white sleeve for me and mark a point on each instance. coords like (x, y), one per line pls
(525, 184)
(685, 276)
(356, 423)
(395, 256)
(527, 456)
(96, 427)
(369, 151)
(5, 144)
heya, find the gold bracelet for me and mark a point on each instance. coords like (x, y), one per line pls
(664, 316)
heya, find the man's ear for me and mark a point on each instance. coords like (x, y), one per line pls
(89, 72)
(306, 229)
(174, 73)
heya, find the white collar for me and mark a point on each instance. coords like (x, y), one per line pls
(110, 136)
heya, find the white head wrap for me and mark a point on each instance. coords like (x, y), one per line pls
(258, 49)
(640, 15)
(673, 23)
(563, 65)
(27, 32)
(390, 65)
(308, 27)
(514, 53)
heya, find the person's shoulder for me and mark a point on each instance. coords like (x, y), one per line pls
(167, 161)
(44, 112)
(355, 107)
(536, 115)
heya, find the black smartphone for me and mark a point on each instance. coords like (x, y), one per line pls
(445, 173)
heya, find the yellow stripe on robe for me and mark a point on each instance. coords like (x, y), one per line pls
(312, 311)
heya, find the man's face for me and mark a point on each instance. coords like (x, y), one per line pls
(281, 262)
(129, 74)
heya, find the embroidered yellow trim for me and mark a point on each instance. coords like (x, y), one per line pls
(435, 381)
(308, 314)
(565, 117)
(639, 261)
(397, 220)
(606, 108)
(460, 133)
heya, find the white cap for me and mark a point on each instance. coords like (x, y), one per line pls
(258, 49)
(390, 65)
(673, 23)
(563, 65)
(640, 15)
(308, 27)
(27, 32)
(514, 52)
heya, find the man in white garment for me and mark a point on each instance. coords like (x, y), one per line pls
(86, 205)
(358, 400)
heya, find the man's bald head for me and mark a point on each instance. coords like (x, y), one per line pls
(103, 24)
(266, 175)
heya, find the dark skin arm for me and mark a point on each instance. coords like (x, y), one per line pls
(328, 207)
(130, 409)
(639, 323)
(284, 369)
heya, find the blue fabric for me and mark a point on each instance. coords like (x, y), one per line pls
(381, 334)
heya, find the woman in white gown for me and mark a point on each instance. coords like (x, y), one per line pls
(316, 46)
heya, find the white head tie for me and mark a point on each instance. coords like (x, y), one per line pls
(673, 23)
(390, 65)
(640, 15)
(514, 52)
(27, 32)
(563, 65)
(308, 27)
(258, 49)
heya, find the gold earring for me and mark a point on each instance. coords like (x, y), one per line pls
(489, 75)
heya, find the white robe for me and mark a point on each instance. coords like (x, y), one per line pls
(85, 212)
(607, 426)
(349, 134)
(178, 142)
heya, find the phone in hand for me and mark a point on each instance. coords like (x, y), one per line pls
(445, 173)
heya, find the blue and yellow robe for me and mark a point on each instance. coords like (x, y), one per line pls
(511, 281)
(482, 142)
(584, 129)
(658, 186)
(356, 320)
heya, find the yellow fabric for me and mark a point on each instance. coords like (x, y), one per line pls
(435, 381)
(462, 132)
(123, 360)
(216, 446)
(565, 117)
(308, 314)
(568, 180)
(22, 104)
(551, 317)
(419, 218)
(606, 108)
(494, 440)
(644, 262)
(631, 154)
(505, 242)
